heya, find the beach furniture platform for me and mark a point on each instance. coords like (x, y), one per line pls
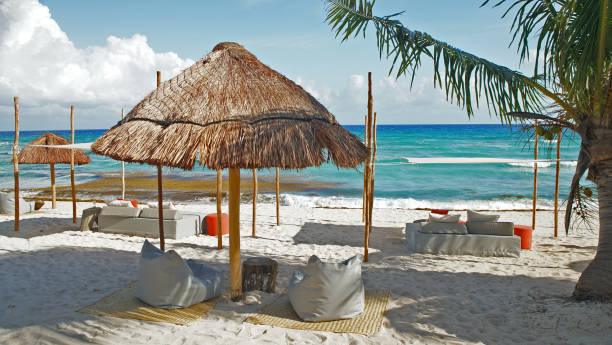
(468, 244)
(89, 217)
(145, 222)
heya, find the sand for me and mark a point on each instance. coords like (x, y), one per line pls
(49, 269)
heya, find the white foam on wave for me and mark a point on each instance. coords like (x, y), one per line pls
(542, 164)
(411, 203)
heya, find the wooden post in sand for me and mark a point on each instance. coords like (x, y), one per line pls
(535, 176)
(372, 174)
(277, 201)
(52, 168)
(254, 199)
(74, 211)
(219, 229)
(122, 170)
(160, 212)
(557, 183)
(366, 238)
(365, 185)
(16, 162)
(234, 234)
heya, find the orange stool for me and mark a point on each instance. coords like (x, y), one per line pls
(524, 232)
(211, 224)
(436, 211)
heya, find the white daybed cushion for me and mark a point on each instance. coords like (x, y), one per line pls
(328, 291)
(7, 204)
(481, 217)
(120, 211)
(491, 228)
(470, 244)
(165, 205)
(166, 281)
(121, 203)
(169, 214)
(446, 218)
(444, 228)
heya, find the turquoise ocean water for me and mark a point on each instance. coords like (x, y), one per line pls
(398, 185)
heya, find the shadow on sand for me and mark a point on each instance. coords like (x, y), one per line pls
(34, 227)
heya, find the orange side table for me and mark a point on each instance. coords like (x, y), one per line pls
(211, 224)
(524, 232)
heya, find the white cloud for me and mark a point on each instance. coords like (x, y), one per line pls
(40, 64)
(394, 100)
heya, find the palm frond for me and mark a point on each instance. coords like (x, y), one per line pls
(465, 77)
(573, 48)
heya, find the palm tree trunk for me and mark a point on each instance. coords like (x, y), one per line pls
(596, 280)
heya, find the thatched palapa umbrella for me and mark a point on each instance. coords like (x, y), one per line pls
(229, 110)
(35, 154)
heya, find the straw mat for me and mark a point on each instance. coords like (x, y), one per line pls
(281, 314)
(123, 304)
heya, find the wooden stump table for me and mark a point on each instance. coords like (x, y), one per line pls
(259, 274)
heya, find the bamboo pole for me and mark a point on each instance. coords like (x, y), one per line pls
(558, 167)
(74, 210)
(372, 174)
(234, 233)
(219, 229)
(365, 196)
(366, 241)
(254, 199)
(277, 201)
(16, 162)
(52, 168)
(535, 177)
(122, 169)
(160, 211)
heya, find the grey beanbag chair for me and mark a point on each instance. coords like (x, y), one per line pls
(166, 281)
(7, 204)
(328, 291)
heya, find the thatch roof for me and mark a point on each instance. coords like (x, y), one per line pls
(47, 155)
(237, 113)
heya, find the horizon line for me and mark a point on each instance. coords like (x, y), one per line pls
(382, 124)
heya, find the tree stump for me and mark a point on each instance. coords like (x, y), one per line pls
(259, 274)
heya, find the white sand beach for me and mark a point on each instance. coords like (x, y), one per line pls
(49, 269)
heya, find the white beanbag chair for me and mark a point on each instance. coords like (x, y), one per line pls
(328, 291)
(7, 204)
(166, 281)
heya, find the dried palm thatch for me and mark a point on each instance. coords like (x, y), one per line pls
(235, 112)
(48, 155)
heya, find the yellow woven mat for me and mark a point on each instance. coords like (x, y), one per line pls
(123, 304)
(281, 314)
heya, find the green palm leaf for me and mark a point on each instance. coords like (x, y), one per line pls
(465, 77)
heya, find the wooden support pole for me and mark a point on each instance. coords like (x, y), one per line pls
(122, 169)
(16, 162)
(372, 174)
(74, 211)
(277, 201)
(558, 167)
(366, 241)
(365, 183)
(52, 168)
(219, 229)
(234, 234)
(535, 177)
(160, 211)
(254, 199)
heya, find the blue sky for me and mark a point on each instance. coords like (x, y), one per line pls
(102, 55)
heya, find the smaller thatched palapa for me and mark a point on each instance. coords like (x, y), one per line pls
(33, 154)
(49, 155)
